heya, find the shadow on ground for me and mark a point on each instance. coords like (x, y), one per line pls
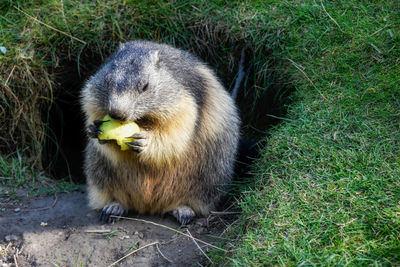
(58, 231)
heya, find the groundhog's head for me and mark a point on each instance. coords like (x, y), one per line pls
(135, 83)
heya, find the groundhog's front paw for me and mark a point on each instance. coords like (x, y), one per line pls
(139, 142)
(115, 209)
(183, 214)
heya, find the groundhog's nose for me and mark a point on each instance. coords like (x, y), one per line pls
(116, 115)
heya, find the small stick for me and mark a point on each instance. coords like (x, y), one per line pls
(50, 27)
(169, 228)
(98, 231)
(277, 117)
(132, 252)
(159, 251)
(230, 206)
(45, 208)
(15, 261)
(208, 258)
(224, 212)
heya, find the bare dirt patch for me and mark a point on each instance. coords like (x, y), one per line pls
(61, 230)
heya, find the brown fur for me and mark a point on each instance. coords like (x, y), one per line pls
(180, 165)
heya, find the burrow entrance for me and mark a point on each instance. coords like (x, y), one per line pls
(261, 101)
(63, 152)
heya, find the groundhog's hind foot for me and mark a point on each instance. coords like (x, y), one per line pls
(183, 214)
(115, 209)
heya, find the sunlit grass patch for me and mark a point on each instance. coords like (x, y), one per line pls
(327, 186)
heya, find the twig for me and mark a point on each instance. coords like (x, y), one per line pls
(15, 261)
(240, 75)
(169, 228)
(132, 252)
(45, 208)
(224, 212)
(230, 206)
(50, 27)
(159, 251)
(305, 75)
(279, 118)
(208, 258)
(211, 213)
(98, 231)
(322, 4)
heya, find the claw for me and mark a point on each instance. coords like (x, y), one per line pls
(115, 209)
(97, 123)
(138, 143)
(137, 136)
(183, 214)
(134, 147)
(94, 131)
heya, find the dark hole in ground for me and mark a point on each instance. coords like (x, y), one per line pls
(66, 138)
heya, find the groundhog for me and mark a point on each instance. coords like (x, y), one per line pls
(182, 160)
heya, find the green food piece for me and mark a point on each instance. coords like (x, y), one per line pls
(118, 130)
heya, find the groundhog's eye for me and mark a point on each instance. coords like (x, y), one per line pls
(144, 87)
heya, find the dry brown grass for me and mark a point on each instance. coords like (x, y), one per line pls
(40, 38)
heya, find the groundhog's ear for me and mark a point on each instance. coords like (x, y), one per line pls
(155, 58)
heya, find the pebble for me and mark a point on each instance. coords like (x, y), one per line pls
(139, 234)
(9, 238)
(124, 237)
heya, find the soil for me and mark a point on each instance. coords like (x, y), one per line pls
(61, 230)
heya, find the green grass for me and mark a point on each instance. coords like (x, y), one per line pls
(327, 187)
(110, 234)
(19, 178)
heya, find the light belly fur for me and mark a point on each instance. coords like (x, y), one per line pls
(154, 192)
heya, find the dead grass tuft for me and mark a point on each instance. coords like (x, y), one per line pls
(40, 37)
